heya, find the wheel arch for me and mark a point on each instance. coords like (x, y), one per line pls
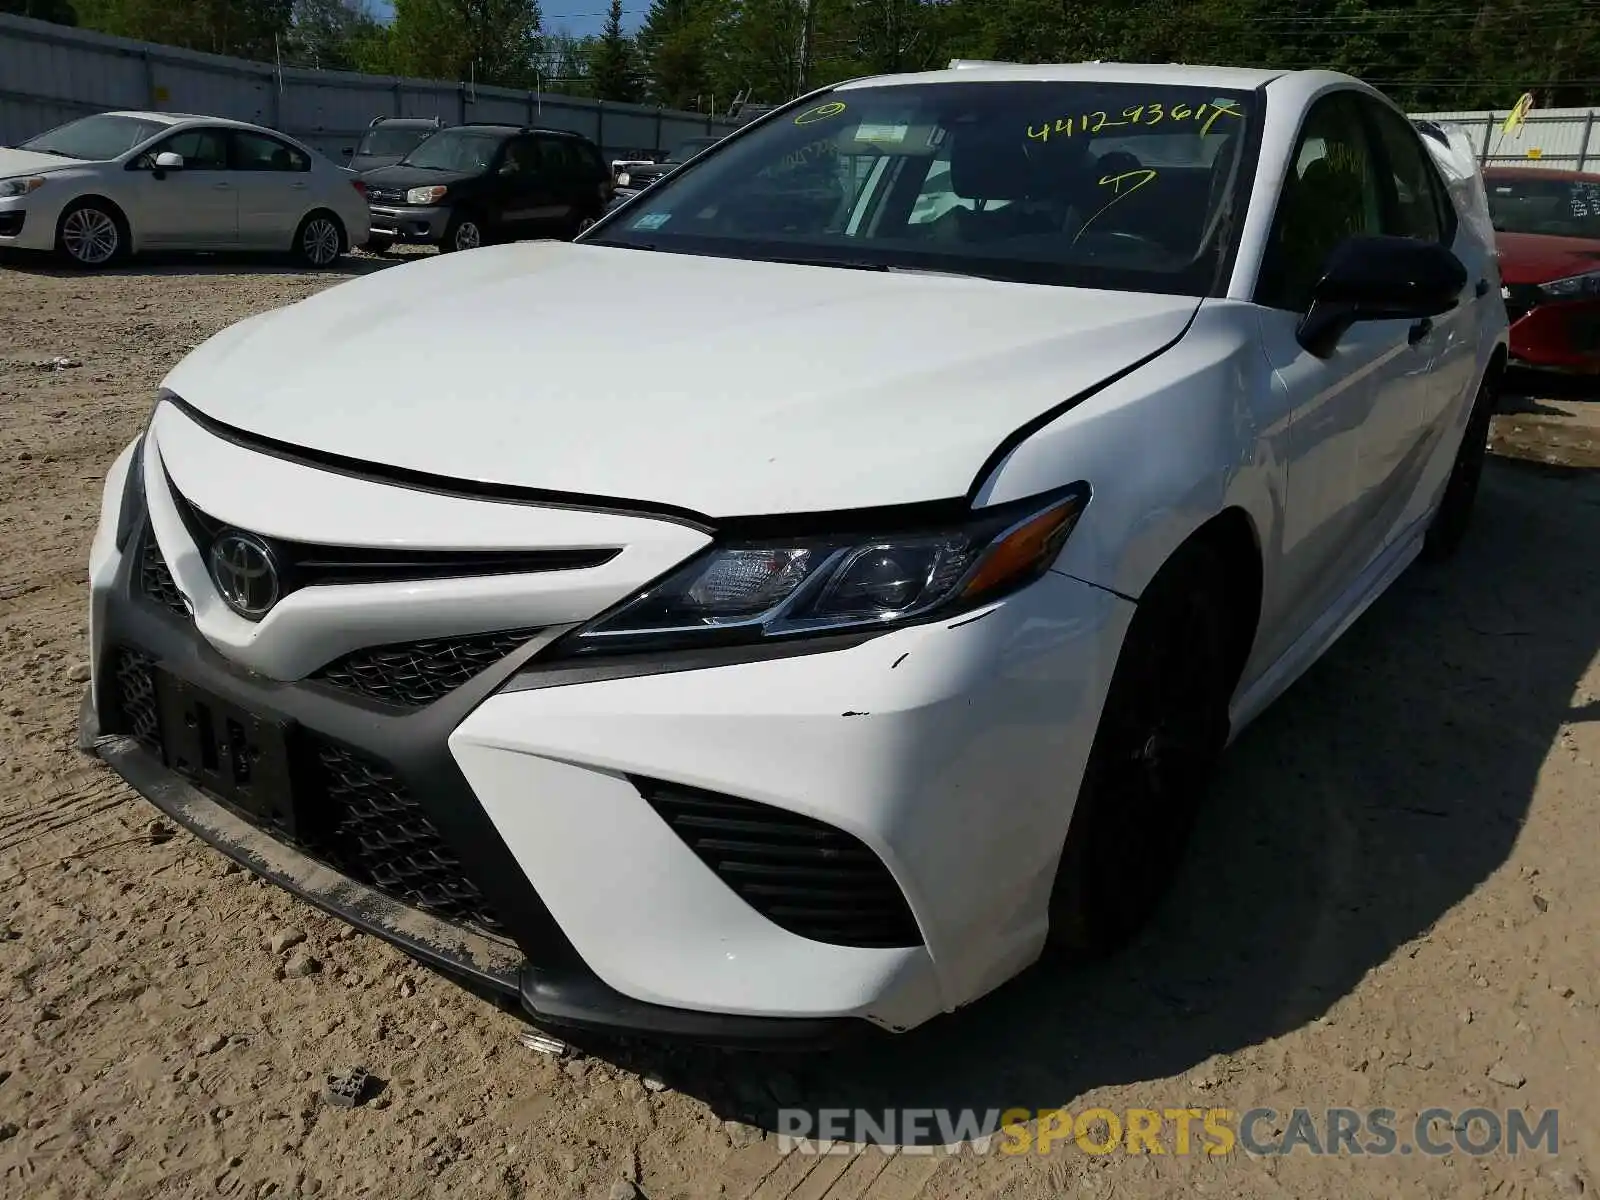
(117, 212)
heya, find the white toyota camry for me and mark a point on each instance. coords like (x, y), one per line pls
(1013, 436)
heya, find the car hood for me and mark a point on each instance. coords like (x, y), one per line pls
(773, 388)
(410, 177)
(1541, 257)
(363, 163)
(26, 162)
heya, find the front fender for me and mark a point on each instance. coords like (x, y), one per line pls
(1165, 448)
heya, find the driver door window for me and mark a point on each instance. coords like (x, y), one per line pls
(1330, 193)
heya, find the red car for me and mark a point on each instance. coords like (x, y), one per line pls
(1547, 227)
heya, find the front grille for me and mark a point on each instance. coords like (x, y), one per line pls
(383, 195)
(136, 698)
(354, 815)
(380, 836)
(155, 578)
(313, 564)
(801, 874)
(414, 674)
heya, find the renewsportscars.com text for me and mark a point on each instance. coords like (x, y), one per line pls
(1178, 1131)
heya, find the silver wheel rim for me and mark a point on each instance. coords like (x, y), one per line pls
(321, 241)
(467, 236)
(90, 236)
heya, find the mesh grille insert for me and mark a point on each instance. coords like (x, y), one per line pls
(414, 674)
(136, 698)
(382, 837)
(155, 578)
(358, 818)
(806, 876)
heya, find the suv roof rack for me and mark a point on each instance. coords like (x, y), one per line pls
(376, 121)
(963, 64)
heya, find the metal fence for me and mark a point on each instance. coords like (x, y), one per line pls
(50, 74)
(1561, 139)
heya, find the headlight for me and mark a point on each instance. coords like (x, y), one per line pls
(754, 591)
(20, 187)
(426, 195)
(1573, 287)
(622, 180)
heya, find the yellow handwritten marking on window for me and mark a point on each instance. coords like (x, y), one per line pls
(1155, 113)
(820, 113)
(1134, 180)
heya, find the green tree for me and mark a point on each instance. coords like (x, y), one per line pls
(333, 35)
(490, 41)
(60, 12)
(615, 68)
(675, 48)
(246, 28)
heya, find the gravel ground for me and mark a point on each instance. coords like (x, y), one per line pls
(1392, 902)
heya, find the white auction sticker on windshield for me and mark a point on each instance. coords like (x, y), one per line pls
(890, 134)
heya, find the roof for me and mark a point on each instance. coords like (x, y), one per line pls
(1174, 74)
(168, 118)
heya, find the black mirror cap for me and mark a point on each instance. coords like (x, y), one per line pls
(1387, 277)
(1372, 277)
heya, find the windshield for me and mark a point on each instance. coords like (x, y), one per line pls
(456, 150)
(389, 142)
(95, 139)
(1123, 186)
(1562, 207)
(689, 149)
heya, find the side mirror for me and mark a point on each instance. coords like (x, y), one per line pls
(1379, 278)
(167, 161)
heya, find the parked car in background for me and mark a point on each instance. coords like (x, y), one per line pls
(870, 645)
(470, 185)
(388, 140)
(1547, 227)
(636, 178)
(123, 182)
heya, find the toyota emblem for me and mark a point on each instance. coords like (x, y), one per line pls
(245, 573)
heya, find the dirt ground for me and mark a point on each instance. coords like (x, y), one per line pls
(1392, 902)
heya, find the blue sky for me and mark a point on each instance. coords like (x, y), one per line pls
(578, 17)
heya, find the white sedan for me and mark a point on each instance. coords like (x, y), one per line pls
(1012, 437)
(123, 182)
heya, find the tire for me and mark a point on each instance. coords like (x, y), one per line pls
(379, 245)
(1454, 514)
(321, 240)
(464, 232)
(91, 234)
(1161, 733)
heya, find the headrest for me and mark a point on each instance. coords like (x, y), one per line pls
(990, 164)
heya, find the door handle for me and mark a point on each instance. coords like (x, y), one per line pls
(1419, 331)
(299, 187)
(1482, 289)
(222, 187)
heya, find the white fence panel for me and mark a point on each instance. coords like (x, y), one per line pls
(1560, 139)
(50, 74)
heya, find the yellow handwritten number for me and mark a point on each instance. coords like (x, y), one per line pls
(820, 113)
(1118, 192)
(1220, 107)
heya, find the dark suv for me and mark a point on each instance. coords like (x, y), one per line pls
(470, 185)
(388, 140)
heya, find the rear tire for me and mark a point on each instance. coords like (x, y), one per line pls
(91, 234)
(1450, 520)
(1161, 733)
(464, 232)
(320, 241)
